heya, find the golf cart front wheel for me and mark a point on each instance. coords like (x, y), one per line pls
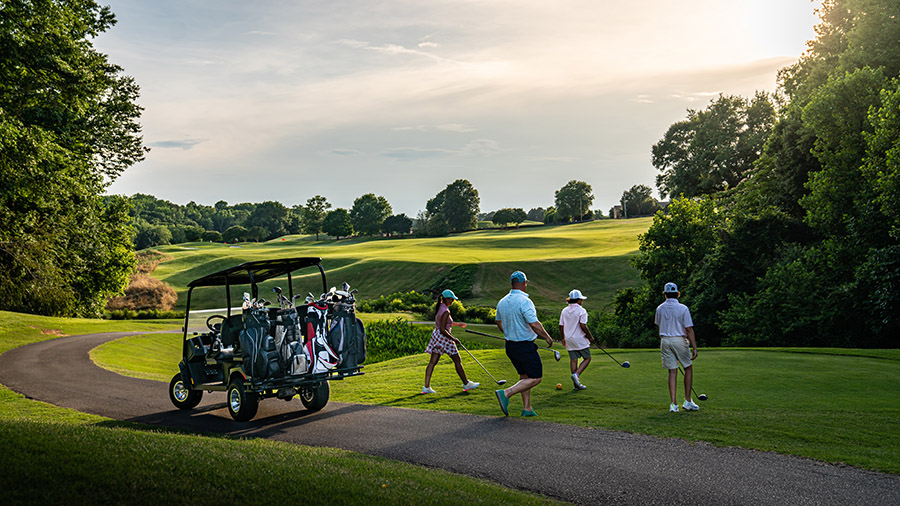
(242, 405)
(181, 395)
(315, 397)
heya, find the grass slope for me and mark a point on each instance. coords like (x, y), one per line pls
(54, 455)
(835, 405)
(595, 256)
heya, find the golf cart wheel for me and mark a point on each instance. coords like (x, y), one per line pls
(315, 397)
(242, 405)
(181, 395)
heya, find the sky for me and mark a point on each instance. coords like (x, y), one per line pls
(284, 100)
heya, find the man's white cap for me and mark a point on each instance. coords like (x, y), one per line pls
(670, 288)
(575, 295)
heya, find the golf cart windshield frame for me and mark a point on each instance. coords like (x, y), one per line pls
(253, 273)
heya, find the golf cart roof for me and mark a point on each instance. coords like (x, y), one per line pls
(255, 272)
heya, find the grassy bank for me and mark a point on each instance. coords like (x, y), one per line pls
(55, 455)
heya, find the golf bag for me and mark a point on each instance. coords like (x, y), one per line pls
(347, 336)
(257, 346)
(288, 341)
(322, 355)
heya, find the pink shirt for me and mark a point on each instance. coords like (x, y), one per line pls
(571, 318)
(437, 317)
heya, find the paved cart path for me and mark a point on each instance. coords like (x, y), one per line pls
(612, 467)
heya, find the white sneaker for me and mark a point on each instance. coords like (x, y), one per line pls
(576, 381)
(690, 406)
(673, 408)
(428, 390)
(471, 385)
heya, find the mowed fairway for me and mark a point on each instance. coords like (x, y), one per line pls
(829, 404)
(594, 256)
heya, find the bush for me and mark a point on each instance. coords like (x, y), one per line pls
(145, 314)
(460, 279)
(144, 292)
(389, 339)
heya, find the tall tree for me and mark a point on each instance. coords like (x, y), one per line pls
(337, 223)
(638, 201)
(271, 216)
(573, 201)
(68, 128)
(368, 213)
(454, 209)
(313, 214)
(399, 224)
(509, 215)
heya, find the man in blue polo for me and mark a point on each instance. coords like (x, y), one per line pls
(517, 319)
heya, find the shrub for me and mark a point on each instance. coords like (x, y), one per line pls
(389, 339)
(144, 292)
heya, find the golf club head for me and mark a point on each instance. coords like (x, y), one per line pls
(501, 382)
(556, 355)
(702, 397)
(626, 364)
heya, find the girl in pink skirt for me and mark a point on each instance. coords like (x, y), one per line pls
(442, 341)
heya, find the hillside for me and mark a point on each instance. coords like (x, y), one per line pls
(594, 257)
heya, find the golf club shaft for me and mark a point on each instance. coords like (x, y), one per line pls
(607, 353)
(503, 339)
(479, 363)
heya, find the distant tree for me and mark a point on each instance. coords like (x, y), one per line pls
(536, 214)
(235, 234)
(506, 216)
(337, 223)
(368, 213)
(638, 201)
(313, 214)
(573, 200)
(152, 235)
(211, 236)
(257, 234)
(456, 205)
(272, 217)
(713, 149)
(550, 215)
(397, 224)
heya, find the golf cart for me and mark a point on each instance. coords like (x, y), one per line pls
(261, 351)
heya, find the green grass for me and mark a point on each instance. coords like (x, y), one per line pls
(594, 255)
(835, 405)
(55, 455)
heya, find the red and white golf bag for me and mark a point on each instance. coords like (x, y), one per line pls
(322, 356)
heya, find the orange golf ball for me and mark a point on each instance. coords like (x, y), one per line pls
(559, 386)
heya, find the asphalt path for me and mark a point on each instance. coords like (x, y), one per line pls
(585, 466)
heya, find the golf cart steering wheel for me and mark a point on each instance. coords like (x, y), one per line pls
(215, 327)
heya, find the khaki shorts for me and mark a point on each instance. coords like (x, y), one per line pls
(675, 350)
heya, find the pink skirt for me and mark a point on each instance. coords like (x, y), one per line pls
(441, 344)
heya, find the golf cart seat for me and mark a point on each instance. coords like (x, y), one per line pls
(231, 331)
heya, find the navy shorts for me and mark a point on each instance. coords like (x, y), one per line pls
(525, 358)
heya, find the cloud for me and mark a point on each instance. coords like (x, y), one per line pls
(414, 153)
(346, 152)
(389, 49)
(429, 44)
(182, 144)
(457, 127)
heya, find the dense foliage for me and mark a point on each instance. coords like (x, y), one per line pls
(798, 246)
(68, 128)
(453, 209)
(573, 201)
(389, 339)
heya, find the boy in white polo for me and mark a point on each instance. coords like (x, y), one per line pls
(676, 333)
(576, 336)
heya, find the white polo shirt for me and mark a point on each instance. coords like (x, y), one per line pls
(569, 318)
(673, 317)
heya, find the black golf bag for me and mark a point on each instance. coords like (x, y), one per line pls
(347, 336)
(289, 342)
(322, 355)
(258, 347)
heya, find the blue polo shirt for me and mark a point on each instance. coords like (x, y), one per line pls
(516, 311)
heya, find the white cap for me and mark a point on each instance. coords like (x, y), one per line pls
(575, 295)
(670, 288)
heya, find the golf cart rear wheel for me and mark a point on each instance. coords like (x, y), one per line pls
(242, 405)
(181, 395)
(315, 397)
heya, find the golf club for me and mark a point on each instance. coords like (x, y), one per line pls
(500, 382)
(556, 354)
(701, 397)
(626, 364)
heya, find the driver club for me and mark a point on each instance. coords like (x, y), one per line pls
(556, 354)
(701, 397)
(626, 364)
(500, 382)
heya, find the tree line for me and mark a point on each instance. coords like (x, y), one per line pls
(785, 220)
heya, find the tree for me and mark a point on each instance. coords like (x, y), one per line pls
(638, 201)
(211, 236)
(68, 128)
(506, 216)
(312, 215)
(368, 213)
(536, 214)
(235, 234)
(273, 217)
(456, 206)
(337, 223)
(573, 201)
(397, 224)
(714, 149)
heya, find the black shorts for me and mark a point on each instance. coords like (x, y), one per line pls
(525, 358)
